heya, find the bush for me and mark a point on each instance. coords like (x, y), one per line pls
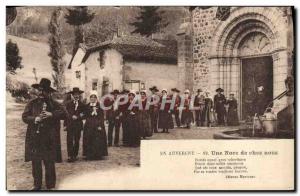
(18, 90)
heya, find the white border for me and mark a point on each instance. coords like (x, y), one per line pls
(3, 191)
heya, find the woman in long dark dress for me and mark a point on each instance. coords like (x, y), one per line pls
(143, 116)
(134, 137)
(165, 120)
(232, 115)
(94, 135)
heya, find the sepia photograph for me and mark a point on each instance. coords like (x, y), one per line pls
(92, 89)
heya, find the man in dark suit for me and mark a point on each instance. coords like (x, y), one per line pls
(154, 110)
(41, 114)
(199, 104)
(219, 106)
(74, 125)
(123, 107)
(113, 116)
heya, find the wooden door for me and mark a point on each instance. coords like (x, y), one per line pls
(256, 72)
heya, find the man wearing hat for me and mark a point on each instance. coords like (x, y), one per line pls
(154, 110)
(74, 124)
(219, 106)
(199, 104)
(123, 109)
(113, 116)
(175, 111)
(40, 115)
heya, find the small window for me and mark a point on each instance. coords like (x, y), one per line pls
(78, 74)
(94, 84)
(105, 87)
(101, 59)
(136, 85)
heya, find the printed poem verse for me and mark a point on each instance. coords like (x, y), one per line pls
(220, 164)
(233, 164)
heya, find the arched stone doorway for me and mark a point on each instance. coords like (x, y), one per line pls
(249, 35)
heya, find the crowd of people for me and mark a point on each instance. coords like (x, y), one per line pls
(138, 114)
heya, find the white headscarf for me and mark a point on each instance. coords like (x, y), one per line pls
(132, 92)
(164, 89)
(93, 92)
(143, 91)
(208, 94)
(187, 91)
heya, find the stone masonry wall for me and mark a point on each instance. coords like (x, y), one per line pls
(204, 25)
(215, 55)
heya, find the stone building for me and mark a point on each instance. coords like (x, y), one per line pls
(126, 62)
(249, 47)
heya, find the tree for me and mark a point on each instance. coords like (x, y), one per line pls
(77, 17)
(13, 59)
(56, 50)
(149, 21)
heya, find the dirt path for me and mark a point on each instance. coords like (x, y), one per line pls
(19, 173)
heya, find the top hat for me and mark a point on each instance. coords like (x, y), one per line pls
(114, 92)
(76, 90)
(175, 90)
(45, 84)
(153, 88)
(219, 90)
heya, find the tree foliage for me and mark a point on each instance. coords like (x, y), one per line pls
(149, 21)
(57, 52)
(77, 17)
(13, 59)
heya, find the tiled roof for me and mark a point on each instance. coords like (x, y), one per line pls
(140, 48)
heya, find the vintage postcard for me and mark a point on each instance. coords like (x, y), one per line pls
(150, 98)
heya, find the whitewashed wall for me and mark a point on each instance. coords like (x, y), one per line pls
(112, 70)
(160, 75)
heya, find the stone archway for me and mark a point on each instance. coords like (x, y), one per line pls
(241, 36)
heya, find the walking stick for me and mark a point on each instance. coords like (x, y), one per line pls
(253, 131)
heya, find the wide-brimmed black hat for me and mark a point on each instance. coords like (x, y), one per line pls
(125, 91)
(153, 88)
(175, 90)
(45, 84)
(199, 90)
(219, 90)
(114, 92)
(76, 90)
